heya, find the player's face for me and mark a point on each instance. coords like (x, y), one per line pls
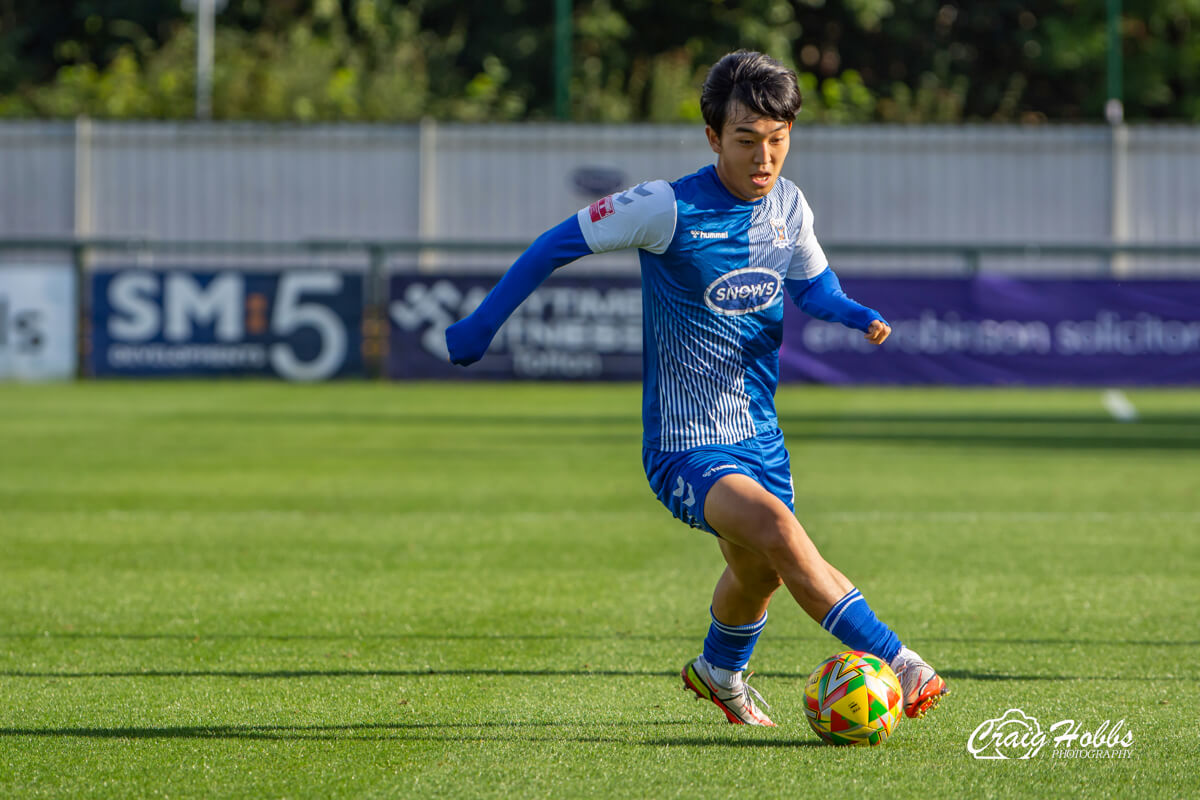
(750, 152)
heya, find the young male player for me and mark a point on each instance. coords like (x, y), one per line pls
(717, 250)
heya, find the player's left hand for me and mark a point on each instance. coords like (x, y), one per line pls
(878, 331)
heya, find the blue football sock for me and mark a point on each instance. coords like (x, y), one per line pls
(729, 646)
(853, 621)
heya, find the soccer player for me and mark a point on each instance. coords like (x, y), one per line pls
(718, 248)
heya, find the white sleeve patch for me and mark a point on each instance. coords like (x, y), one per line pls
(642, 217)
(808, 259)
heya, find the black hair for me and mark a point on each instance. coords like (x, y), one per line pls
(760, 83)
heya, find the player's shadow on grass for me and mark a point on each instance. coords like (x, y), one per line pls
(696, 741)
(421, 731)
(360, 637)
(973, 675)
(290, 674)
(348, 673)
(473, 731)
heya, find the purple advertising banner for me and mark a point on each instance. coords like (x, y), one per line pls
(984, 330)
(994, 329)
(571, 328)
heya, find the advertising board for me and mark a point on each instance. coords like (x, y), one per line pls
(299, 325)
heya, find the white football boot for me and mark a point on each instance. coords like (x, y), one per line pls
(736, 699)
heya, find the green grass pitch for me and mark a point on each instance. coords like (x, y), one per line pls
(369, 590)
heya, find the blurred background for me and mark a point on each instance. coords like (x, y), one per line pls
(316, 189)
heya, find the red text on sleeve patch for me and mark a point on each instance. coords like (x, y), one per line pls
(601, 209)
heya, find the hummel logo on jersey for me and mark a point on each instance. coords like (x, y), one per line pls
(718, 468)
(709, 234)
(681, 485)
(624, 199)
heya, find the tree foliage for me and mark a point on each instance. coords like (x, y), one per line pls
(637, 60)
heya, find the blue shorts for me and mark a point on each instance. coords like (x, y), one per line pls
(681, 480)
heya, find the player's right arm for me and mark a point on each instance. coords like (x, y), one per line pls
(468, 339)
(643, 217)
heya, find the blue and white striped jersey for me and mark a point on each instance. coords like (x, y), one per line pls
(713, 270)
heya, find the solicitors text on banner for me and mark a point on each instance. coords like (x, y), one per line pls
(994, 329)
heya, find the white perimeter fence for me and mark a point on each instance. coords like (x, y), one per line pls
(920, 199)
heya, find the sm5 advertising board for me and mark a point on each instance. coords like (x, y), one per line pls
(299, 325)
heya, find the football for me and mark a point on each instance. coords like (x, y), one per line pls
(853, 698)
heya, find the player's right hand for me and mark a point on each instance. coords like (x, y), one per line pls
(466, 343)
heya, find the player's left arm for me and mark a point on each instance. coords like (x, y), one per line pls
(822, 297)
(816, 290)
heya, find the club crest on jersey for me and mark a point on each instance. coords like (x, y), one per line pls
(602, 208)
(779, 225)
(742, 291)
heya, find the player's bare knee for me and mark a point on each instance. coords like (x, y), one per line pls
(783, 541)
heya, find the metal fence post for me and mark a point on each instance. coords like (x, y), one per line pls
(375, 312)
(1120, 234)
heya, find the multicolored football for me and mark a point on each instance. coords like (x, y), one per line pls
(853, 698)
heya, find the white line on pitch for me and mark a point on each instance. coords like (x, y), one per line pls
(1119, 405)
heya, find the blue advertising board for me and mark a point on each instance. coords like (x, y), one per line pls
(298, 324)
(571, 328)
